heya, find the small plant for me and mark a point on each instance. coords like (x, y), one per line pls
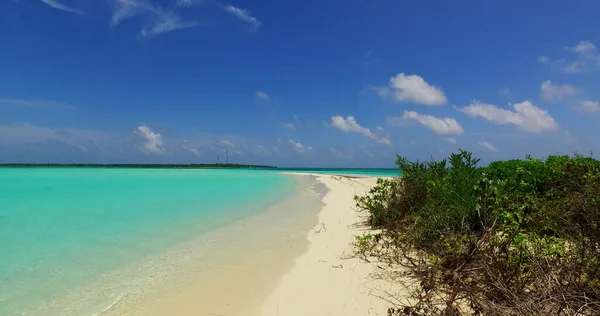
(381, 201)
(364, 245)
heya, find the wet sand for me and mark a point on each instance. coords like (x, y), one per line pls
(237, 266)
(289, 260)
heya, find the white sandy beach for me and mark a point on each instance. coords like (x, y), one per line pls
(324, 281)
(284, 267)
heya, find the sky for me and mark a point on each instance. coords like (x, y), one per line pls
(313, 83)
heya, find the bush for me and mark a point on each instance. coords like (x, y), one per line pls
(517, 237)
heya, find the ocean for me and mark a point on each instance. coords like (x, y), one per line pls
(64, 228)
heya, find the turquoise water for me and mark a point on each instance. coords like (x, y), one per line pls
(61, 228)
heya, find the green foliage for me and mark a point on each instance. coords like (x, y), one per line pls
(364, 244)
(381, 202)
(518, 220)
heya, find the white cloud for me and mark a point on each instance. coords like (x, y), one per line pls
(525, 115)
(62, 7)
(241, 14)
(186, 146)
(385, 141)
(382, 92)
(412, 142)
(124, 10)
(49, 139)
(157, 17)
(297, 146)
(349, 125)
(505, 92)
(443, 127)
(379, 129)
(153, 141)
(485, 146)
(225, 143)
(39, 104)
(451, 140)
(413, 88)
(168, 24)
(244, 15)
(262, 95)
(544, 59)
(572, 67)
(586, 59)
(310, 148)
(186, 3)
(159, 20)
(568, 66)
(193, 151)
(584, 47)
(551, 91)
(31, 143)
(590, 106)
(289, 125)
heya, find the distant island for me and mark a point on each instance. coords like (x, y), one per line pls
(143, 166)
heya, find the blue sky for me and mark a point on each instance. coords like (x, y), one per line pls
(296, 83)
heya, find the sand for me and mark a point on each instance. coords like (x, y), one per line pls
(238, 269)
(295, 265)
(324, 281)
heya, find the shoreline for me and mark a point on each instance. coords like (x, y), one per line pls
(318, 277)
(290, 259)
(325, 279)
(306, 271)
(195, 264)
(241, 266)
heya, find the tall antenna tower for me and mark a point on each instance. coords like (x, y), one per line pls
(218, 160)
(227, 157)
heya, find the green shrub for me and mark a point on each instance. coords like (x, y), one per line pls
(382, 202)
(515, 237)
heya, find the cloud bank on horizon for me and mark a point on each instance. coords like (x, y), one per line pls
(284, 90)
